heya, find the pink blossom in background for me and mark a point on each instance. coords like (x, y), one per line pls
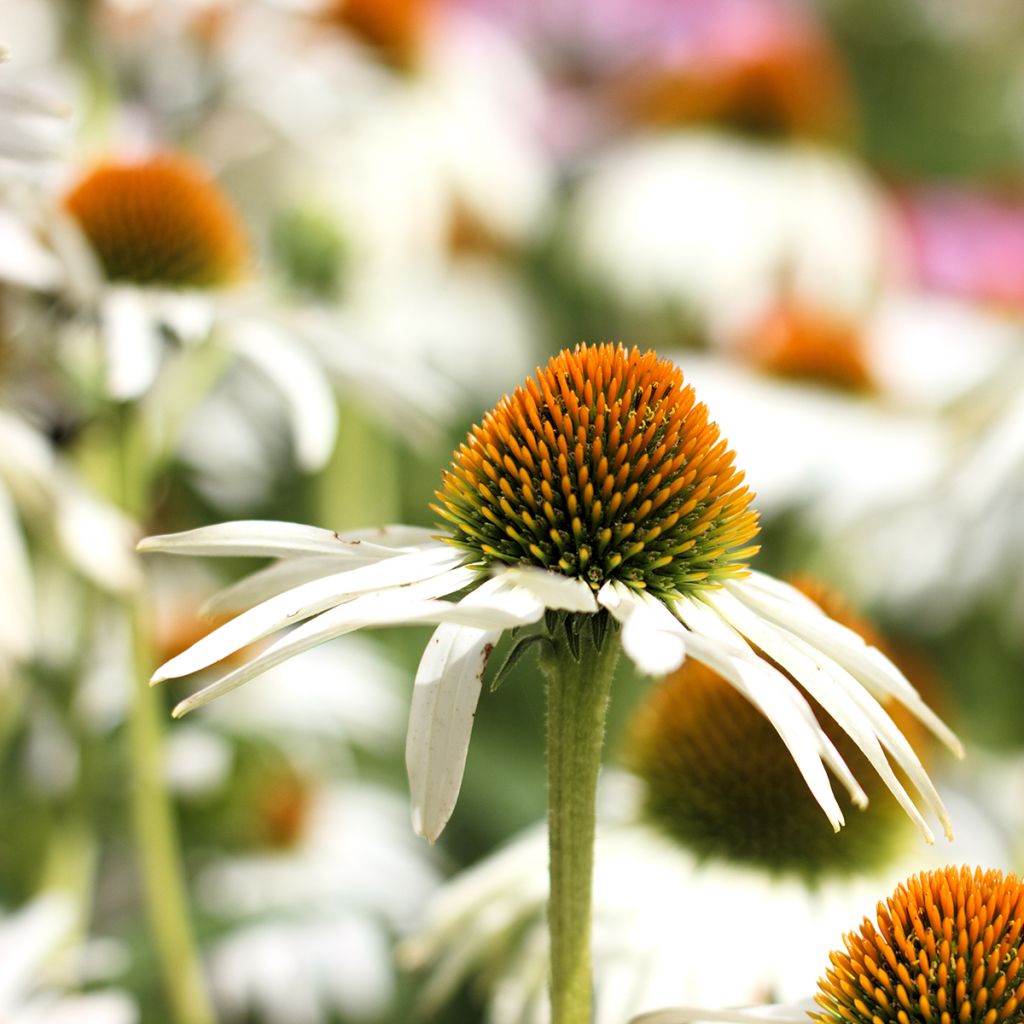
(669, 61)
(966, 243)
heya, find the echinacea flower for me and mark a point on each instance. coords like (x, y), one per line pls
(598, 488)
(946, 946)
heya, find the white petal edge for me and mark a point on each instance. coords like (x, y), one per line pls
(846, 648)
(778, 700)
(411, 605)
(704, 621)
(259, 538)
(553, 590)
(314, 597)
(777, 1013)
(852, 707)
(312, 406)
(444, 698)
(652, 636)
(132, 342)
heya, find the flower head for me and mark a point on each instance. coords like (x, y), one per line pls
(604, 467)
(600, 487)
(160, 221)
(946, 946)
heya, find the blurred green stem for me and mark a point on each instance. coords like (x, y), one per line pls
(156, 833)
(359, 485)
(578, 670)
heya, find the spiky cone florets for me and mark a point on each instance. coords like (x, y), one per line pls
(602, 467)
(161, 221)
(719, 780)
(945, 949)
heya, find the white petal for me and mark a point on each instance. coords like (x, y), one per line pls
(444, 699)
(411, 605)
(23, 261)
(309, 599)
(133, 344)
(278, 577)
(849, 704)
(554, 590)
(865, 663)
(782, 705)
(310, 399)
(778, 1013)
(653, 638)
(97, 538)
(269, 538)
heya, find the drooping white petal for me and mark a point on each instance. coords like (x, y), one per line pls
(444, 699)
(268, 538)
(652, 637)
(780, 703)
(552, 589)
(775, 1013)
(133, 343)
(279, 577)
(702, 620)
(849, 650)
(312, 407)
(410, 605)
(309, 599)
(849, 704)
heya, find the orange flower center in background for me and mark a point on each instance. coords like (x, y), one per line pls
(945, 949)
(806, 344)
(604, 466)
(719, 780)
(393, 27)
(161, 221)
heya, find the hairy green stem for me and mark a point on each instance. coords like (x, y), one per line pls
(579, 668)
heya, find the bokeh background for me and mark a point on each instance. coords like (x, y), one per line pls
(361, 223)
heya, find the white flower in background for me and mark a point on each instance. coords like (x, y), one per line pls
(970, 515)
(38, 973)
(597, 487)
(912, 956)
(33, 127)
(312, 926)
(720, 226)
(462, 113)
(39, 494)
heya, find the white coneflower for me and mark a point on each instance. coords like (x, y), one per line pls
(946, 946)
(598, 498)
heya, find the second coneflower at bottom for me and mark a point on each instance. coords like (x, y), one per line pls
(946, 946)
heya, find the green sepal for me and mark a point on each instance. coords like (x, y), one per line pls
(515, 655)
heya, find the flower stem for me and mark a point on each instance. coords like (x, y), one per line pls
(156, 832)
(579, 668)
